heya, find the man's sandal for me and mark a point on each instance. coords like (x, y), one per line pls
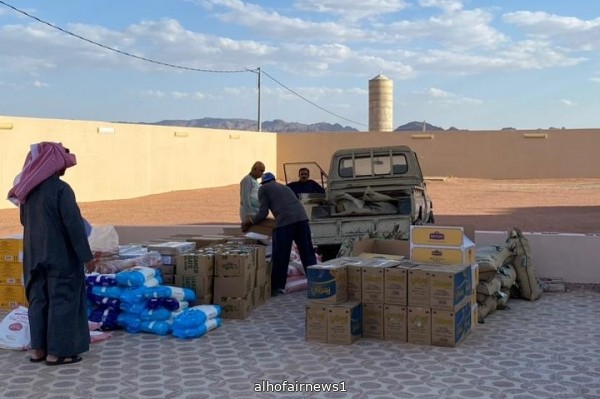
(64, 360)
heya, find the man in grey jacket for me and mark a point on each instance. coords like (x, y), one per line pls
(291, 226)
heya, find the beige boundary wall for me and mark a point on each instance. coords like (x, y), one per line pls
(118, 161)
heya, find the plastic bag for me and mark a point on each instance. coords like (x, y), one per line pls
(14, 330)
(104, 239)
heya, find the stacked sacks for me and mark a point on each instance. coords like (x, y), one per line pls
(496, 278)
(197, 321)
(103, 300)
(529, 286)
(147, 305)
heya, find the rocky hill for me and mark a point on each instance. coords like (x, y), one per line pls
(280, 126)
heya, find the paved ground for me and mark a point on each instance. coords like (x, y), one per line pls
(547, 205)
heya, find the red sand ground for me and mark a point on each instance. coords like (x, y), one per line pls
(541, 205)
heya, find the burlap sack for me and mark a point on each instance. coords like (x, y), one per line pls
(488, 306)
(507, 275)
(491, 257)
(490, 286)
(529, 285)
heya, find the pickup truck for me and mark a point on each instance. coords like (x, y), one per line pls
(368, 190)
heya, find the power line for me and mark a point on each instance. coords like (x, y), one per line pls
(310, 102)
(125, 53)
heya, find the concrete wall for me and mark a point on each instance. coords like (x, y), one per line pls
(489, 155)
(117, 161)
(135, 160)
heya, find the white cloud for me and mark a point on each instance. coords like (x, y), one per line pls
(437, 95)
(154, 93)
(446, 5)
(577, 34)
(567, 103)
(595, 79)
(352, 10)
(38, 83)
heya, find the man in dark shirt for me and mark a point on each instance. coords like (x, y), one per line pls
(305, 184)
(291, 225)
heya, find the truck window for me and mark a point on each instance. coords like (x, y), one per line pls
(400, 166)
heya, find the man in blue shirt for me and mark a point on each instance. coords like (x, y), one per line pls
(305, 184)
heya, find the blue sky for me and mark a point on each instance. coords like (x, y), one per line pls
(472, 64)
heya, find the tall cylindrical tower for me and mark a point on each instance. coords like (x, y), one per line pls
(381, 104)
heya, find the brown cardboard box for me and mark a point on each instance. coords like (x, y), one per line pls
(198, 263)
(395, 281)
(372, 284)
(201, 285)
(316, 322)
(419, 287)
(381, 247)
(344, 323)
(235, 286)
(419, 325)
(395, 323)
(449, 286)
(168, 279)
(12, 296)
(11, 250)
(265, 227)
(354, 283)
(450, 327)
(234, 308)
(372, 314)
(11, 273)
(167, 269)
(229, 264)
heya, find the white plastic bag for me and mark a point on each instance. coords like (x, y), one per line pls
(104, 239)
(14, 330)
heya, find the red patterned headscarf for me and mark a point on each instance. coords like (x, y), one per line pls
(43, 161)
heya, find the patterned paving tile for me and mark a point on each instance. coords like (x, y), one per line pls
(544, 349)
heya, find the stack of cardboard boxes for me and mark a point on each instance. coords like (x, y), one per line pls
(234, 275)
(427, 300)
(12, 291)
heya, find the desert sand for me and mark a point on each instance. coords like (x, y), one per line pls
(541, 205)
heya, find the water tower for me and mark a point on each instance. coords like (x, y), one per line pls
(381, 104)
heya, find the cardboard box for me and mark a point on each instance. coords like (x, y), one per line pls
(234, 308)
(344, 323)
(463, 255)
(230, 264)
(168, 260)
(395, 283)
(235, 286)
(316, 322)
(354, 283)
(168, 279)
(418, 323)
(328, 283)
(11, 273)
(201, 285)
(419, 287)
(198, 263)
(370, 255)
(450, 286)
(12, 296)
(166, 270)
(381, 247)
(448, 327)
(265, 227)
(395, 323)
(437, 236)
(11, 250)
(172, 247)
(372, 314)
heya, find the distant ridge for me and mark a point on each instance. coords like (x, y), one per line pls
(281, 126)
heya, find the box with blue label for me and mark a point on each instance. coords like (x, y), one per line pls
(450, 327)
(327, 283)
(449, 286)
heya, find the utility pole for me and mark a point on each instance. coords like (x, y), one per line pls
(259, 73)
